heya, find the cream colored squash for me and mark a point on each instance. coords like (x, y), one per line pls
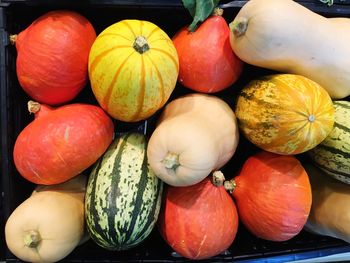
(48, 225)
(196, 134)
(285, 36)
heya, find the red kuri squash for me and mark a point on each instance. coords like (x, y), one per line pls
(52, 59)
(198, 221)
(60, 143)
(207, 62)
(273, 195)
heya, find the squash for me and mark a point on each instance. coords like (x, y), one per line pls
(195, 135)
(332, 155)
(284, 113)
(198, 221)
(49, 224)
(61, 142)
(52, 56)
(207, 62)
(329, 215)
(133, 69)
(273, 195)
(280, 35)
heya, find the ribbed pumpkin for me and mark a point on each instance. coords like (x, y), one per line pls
(284, 113)
(133, 69)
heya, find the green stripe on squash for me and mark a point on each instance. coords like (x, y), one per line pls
(123, 195)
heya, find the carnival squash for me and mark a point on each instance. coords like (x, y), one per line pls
(207, 62)
(281, 35)
(273, 195)
(284, 113)
(61, 142)
(133, 69)
(330, 211)
(196, 134)
(49, 224)
(52, 56)
(198, 221)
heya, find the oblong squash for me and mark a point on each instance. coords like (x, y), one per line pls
(284, 113)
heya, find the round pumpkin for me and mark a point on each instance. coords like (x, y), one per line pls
(52, 56)
(198, 221)
(61, 142)
(273, 195)
(284, 113)
(133, 69)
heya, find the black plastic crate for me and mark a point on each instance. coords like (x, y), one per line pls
(170, 15)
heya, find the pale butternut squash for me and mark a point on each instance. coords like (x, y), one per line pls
(196, 134)
(285, 36)
(48, 225)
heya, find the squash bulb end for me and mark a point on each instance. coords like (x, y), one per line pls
(239, 26)
(32, 239)
(171, 161)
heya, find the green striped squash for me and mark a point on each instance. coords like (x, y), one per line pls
(333, 154)
(123, 196)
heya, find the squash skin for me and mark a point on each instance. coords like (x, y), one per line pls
(129, 85)
(273, 196)
(207, 62)
(57, 214)
(284, 113)
(280, 35)
(201, 131)
(62, 142)
(53, 69)
(206, 219)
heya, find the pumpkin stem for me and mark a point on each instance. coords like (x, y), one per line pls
(218, 11)
(230, 185)
(13, 39)
(218, 178)
(141, 44)
(171, 161)
(311, 118)
(32, 239)
(239, 26)
(33, 106)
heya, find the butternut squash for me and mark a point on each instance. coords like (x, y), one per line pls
(48, 225)
(330, 210)
(285, 36)
(196, 134)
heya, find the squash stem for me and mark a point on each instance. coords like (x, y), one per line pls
(230, 185)
(33, 106)
(218, 11)
(141, 44)
(239, 26)
(32, 239)
(13, 39)
(218, 178)
(171, 161)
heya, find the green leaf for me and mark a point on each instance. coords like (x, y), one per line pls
(199, 10)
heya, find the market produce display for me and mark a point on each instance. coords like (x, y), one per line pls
(187, 175)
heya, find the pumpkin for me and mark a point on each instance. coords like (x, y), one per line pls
(329, 215)
(198, 221)
(61, 142)
(273, 195)
(52, 56)
(284, 113)
(280, 35)
(49, 224)
(133, 69)
(195, 135)
(207, 62)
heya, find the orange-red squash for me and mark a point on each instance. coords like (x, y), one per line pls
(273, 196)
(207, 62)
(198, 221)
(52, 56)
(61, 142)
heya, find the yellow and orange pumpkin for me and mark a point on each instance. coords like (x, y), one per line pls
(284, 113)
(133, 69)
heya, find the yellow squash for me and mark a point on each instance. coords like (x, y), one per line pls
(133, 69)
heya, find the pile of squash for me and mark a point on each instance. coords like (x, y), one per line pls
(116, 188)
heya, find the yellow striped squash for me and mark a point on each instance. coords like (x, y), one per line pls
(133, 69)
(284, 113)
